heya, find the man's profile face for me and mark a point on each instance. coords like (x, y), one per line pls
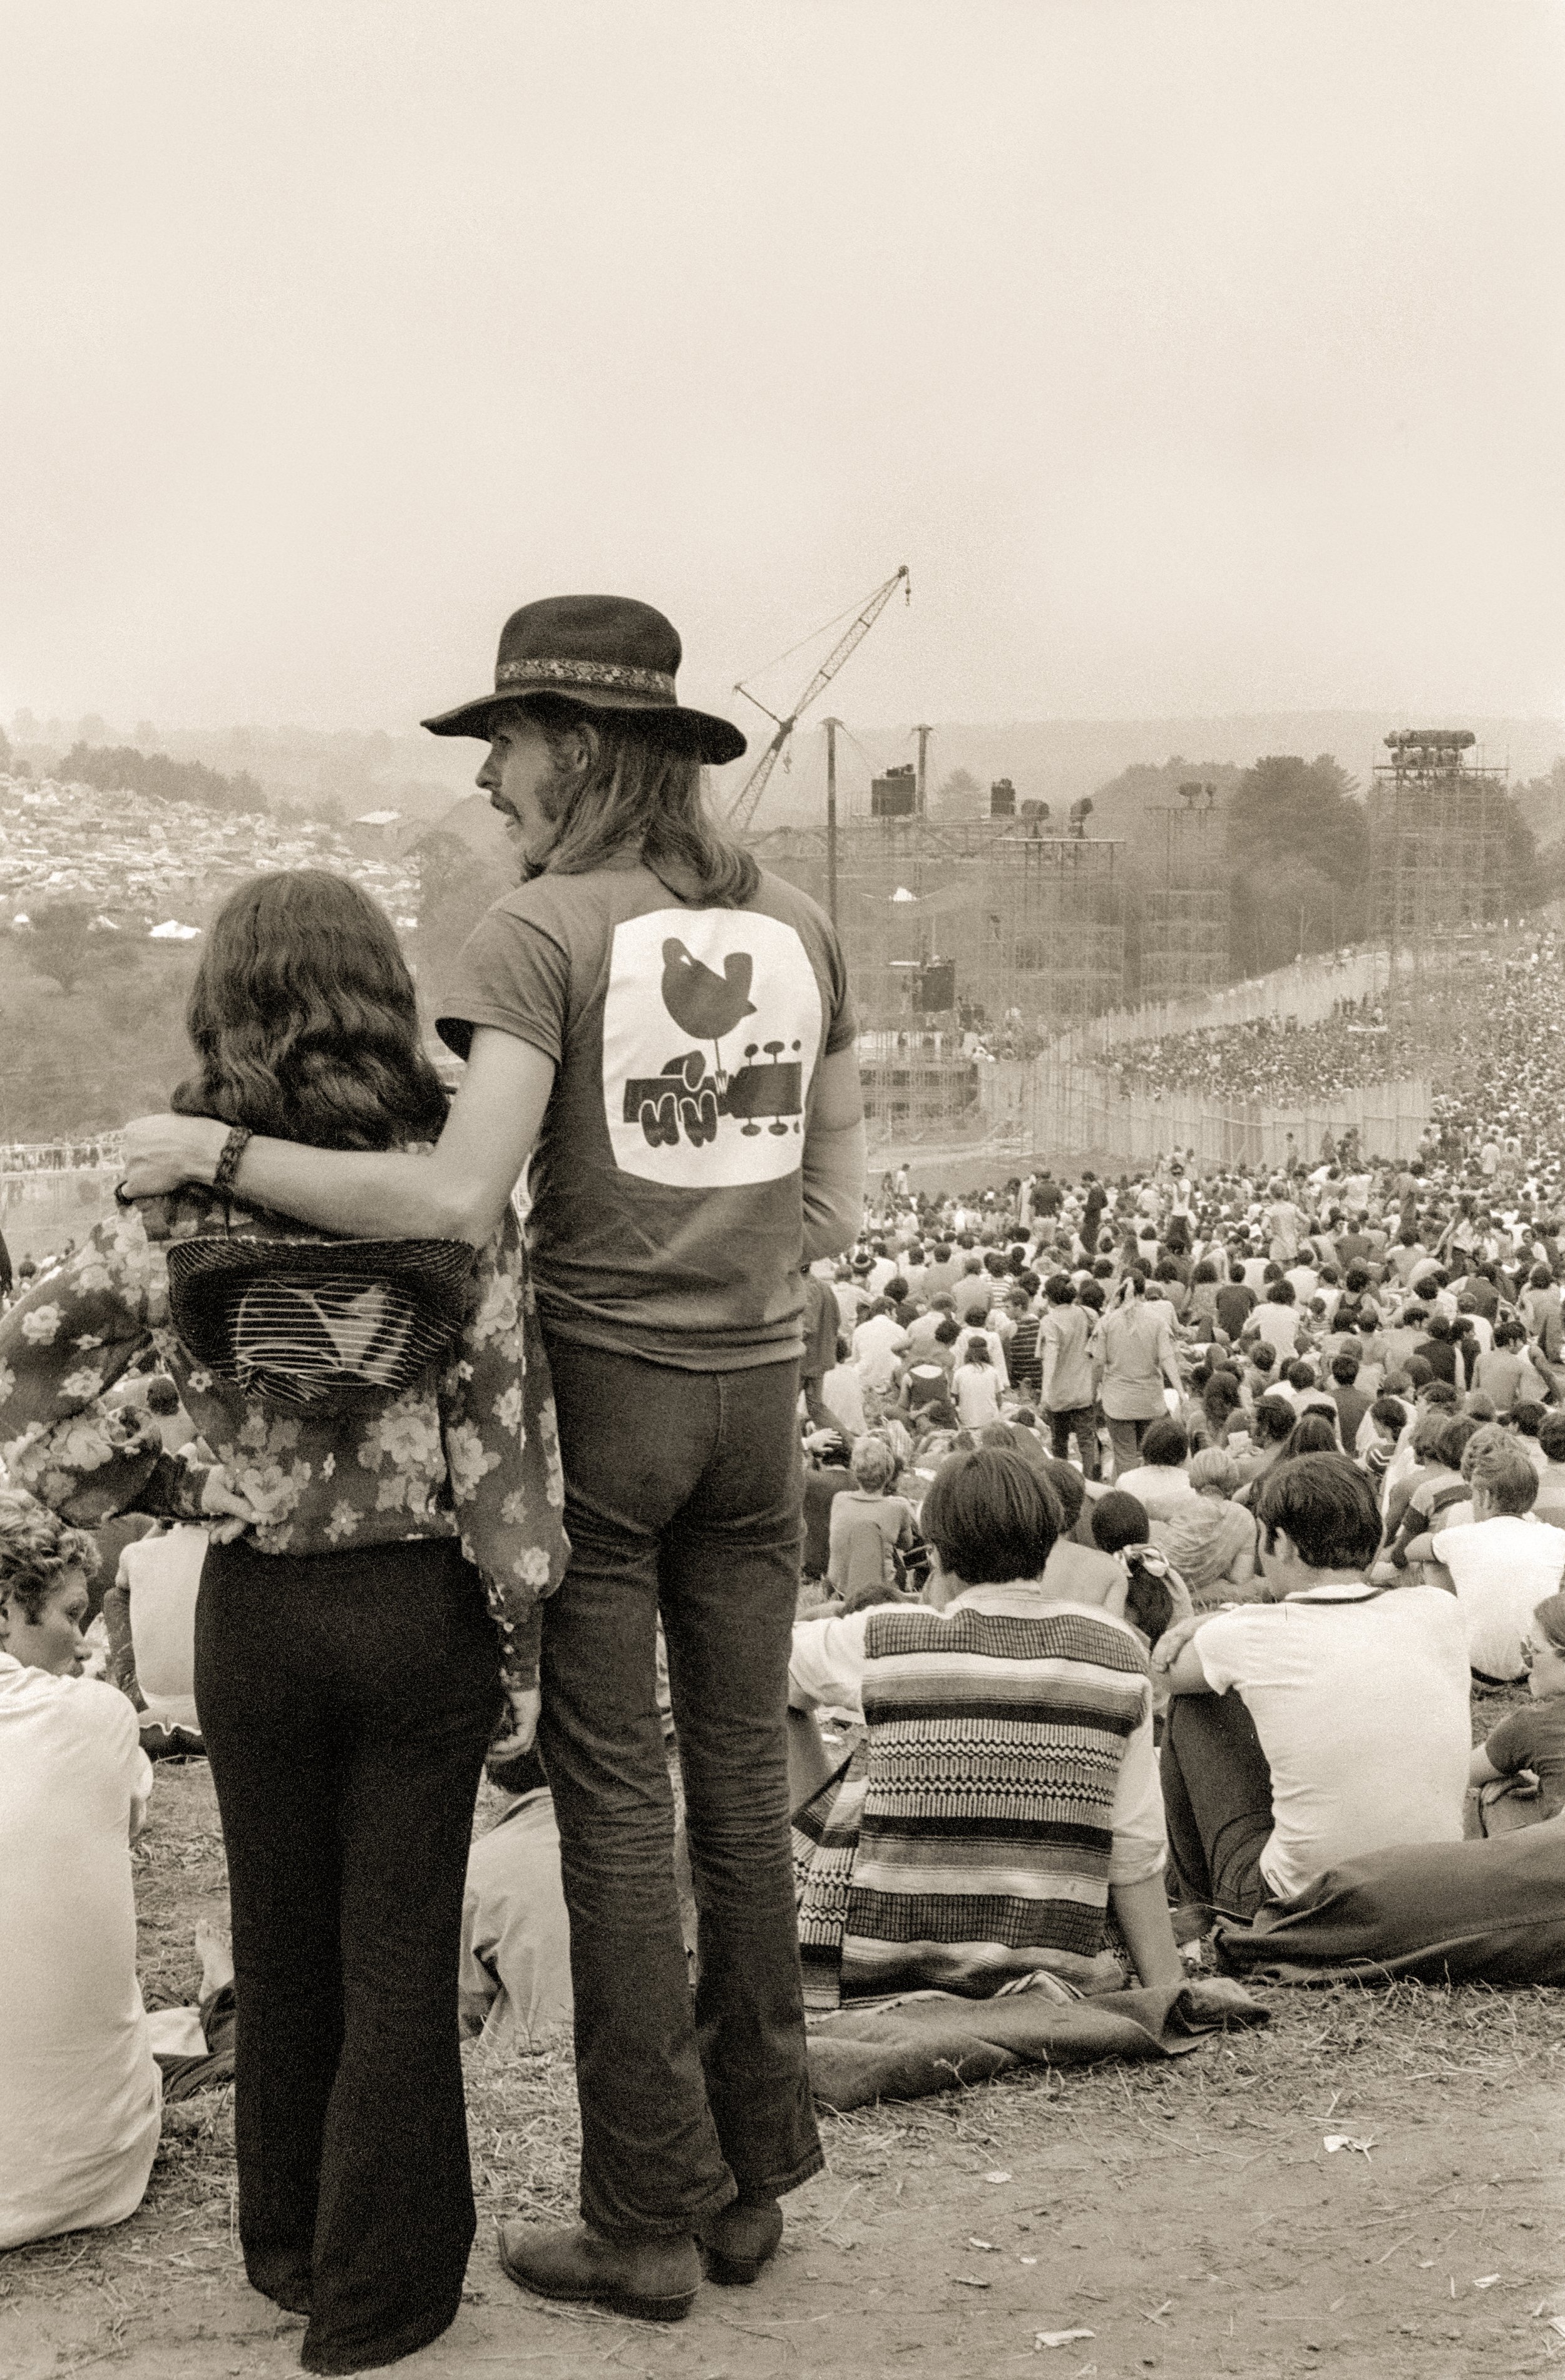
(520, 765)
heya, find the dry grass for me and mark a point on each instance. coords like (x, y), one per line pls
(1344, 2055)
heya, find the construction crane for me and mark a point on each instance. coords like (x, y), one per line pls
(746, 801)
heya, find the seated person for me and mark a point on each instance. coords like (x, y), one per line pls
(1438, 1485)
(1328, 1720)
(80, 2092)
(1154, 1596)
(1159, 1480)
(1519, 1770)
(150, 1613)
(827, 1477)
(513, 1983)
(959, 1850)
(1209, 1539)
(1502, 1562)
(868, 1526)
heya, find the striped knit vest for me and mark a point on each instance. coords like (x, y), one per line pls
(977, 1822)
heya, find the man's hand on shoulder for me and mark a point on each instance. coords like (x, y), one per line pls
(163, 1152)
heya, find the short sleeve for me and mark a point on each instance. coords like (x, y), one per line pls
(1222, 1644)
(841, 1023)
(1513, 1743)
(511, 975)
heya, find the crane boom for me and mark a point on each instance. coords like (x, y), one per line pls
(745, 802)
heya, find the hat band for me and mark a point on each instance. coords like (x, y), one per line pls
(620, 675)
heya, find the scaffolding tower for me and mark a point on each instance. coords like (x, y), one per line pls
(1438, 844)
(1184, 936)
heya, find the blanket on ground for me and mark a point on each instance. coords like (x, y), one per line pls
(1490, 1911)
(940, 2041)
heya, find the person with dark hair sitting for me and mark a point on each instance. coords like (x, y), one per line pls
(1005, 1795)
(1330, 1721)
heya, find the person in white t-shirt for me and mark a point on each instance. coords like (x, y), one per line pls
(80, 2100)
(83, 2070)
(876, 1344)
(1502, 1562)
(1331, 1720)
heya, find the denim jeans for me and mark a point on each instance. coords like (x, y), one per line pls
(346, 1701)
(682, 1498)
(1083, 1421)
(1125, 1441)
(1217, 1801)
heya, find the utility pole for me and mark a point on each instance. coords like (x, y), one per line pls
(832, 726)
(923, 734)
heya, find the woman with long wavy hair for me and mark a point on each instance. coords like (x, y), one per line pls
(382, 1418)
(663, 1032)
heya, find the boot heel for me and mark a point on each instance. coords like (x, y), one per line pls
(732, 2272)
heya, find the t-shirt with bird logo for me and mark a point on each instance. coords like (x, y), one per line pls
(667, 1211)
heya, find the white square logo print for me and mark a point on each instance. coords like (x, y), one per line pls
(712, 1025)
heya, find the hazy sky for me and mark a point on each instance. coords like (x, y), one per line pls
(1196, 357)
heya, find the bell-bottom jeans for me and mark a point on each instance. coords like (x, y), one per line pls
(347, 1700)
(682, 1497)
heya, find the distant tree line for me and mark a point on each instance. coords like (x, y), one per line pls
(120, 767)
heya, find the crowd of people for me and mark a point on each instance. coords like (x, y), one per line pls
(1267, 1058)
(1498, 1069)
(1039, 1589)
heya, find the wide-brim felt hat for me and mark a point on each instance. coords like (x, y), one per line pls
(606, 651)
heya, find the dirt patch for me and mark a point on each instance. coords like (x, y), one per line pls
(1189, 2217)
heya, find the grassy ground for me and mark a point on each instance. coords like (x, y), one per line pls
(1185, 2216)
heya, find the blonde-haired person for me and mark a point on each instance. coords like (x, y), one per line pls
(1209, 1539)
(664, 1035)
(869, 1527)
(356, 1651)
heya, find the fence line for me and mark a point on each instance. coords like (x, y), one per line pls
(1307, 992)
(1049, 1108)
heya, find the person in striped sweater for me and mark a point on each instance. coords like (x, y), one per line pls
(1004, 1801)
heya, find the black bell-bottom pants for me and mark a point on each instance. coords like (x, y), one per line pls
(346, 1701)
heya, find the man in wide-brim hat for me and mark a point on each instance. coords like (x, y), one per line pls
(666, 1033)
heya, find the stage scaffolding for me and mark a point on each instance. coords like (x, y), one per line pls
(1185, 937)
(1439, 865)
(966, 942)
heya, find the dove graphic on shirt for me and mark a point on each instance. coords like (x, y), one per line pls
(703, 1004)
(706, 1115)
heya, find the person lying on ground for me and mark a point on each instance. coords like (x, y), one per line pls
(960, 1851)
(1519, 1770)
(80, 2094)
(1330, 1719)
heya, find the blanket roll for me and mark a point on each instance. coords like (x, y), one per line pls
(943, 2041)
(1477, 1912)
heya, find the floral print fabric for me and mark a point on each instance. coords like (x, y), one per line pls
(470, 1450)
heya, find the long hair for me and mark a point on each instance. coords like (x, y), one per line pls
(642, 791)
(303, 1020)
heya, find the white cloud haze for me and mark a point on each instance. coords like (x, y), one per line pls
(1198, 356)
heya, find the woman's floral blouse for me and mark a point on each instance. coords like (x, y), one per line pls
(470, 1450)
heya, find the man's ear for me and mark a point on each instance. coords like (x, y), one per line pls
(5, 1622)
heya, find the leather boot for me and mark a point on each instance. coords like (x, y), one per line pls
(738, 2241)
(655, 2280)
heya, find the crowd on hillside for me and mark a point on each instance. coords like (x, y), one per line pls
(1265, 1057)
(1497, 1046)
(1053, 1589)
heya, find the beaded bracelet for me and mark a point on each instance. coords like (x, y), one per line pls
(228, 1161)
